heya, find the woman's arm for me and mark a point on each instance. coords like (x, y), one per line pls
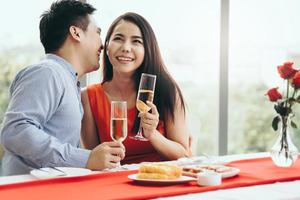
(176, 143)
(89, 136)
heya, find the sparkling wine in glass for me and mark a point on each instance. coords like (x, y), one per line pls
(118, 120)
(145, 93)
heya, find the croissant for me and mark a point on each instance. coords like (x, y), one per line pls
(159, 171)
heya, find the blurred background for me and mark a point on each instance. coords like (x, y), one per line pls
(262, 35)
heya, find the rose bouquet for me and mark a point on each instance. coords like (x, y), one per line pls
(284, 103)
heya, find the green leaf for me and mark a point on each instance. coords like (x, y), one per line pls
(282, 110)
(275, 122)
(293, 124)
(298, 99)
(291, 100)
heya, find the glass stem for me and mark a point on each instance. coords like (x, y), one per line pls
(140, 131)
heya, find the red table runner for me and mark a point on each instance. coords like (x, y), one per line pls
(116, 185)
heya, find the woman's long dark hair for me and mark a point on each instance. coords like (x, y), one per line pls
(166, 89)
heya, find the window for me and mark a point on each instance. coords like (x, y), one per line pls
(19, 41)
(263, 34)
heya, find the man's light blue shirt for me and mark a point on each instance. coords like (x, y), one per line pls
(41, 127)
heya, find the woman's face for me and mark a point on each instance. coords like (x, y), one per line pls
(125, 48)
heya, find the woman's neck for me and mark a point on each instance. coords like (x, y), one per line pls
(125, 85)
(121, 88)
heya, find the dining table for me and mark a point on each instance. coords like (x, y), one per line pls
(258, 178)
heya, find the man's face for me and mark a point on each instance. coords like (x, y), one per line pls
(91, 46)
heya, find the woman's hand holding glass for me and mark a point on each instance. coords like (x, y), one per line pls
(145, 93)
(149, 120)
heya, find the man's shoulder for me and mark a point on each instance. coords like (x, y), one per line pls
(45, 67)
(43, 71)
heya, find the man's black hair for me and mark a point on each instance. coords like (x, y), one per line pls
(55, 23)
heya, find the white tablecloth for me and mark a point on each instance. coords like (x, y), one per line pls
(283, 190)
(276, 191)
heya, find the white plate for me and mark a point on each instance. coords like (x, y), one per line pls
(51, 173)
(201, 160)
(227, 174)
(181, 179)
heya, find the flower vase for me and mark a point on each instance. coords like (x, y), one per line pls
(284, 153)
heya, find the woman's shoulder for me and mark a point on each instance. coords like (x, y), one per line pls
(93, 91)
(95, 87)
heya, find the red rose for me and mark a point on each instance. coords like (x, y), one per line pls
(286, 70)
(273, 94)
(296, 80)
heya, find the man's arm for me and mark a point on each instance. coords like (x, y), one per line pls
(33, 102)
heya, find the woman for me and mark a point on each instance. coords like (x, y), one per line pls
(131, 49)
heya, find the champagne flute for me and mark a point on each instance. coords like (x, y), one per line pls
(118, 120)
(145, 93)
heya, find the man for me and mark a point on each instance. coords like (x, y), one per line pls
(42, 124)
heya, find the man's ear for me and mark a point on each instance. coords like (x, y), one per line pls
(75, 32)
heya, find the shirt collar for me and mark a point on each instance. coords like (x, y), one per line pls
(64, 63)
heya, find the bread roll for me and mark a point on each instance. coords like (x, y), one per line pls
(159, 171)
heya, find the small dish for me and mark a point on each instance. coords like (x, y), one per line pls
(225, 171)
